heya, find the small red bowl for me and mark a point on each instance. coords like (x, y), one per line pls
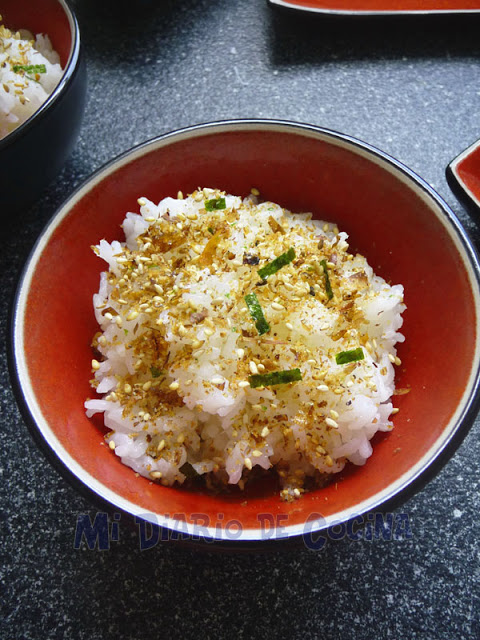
(34, 153)
(463, 176)
(408, 234)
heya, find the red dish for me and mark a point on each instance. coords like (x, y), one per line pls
(463, 175)
(380, 7)
(408, 234)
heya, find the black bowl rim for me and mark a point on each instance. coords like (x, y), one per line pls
(392, 498)
(68, 73)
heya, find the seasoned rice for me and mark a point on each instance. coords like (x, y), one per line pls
(199, 377)
(29, 72)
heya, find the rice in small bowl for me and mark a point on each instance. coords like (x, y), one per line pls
(29, 72)
(42, 97)
(391, 217)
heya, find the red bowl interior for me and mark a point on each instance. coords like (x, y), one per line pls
(382, 6)
(387, 221)
(41, 16)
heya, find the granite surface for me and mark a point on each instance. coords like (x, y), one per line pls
(409, 87)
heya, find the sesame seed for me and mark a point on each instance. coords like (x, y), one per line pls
(311, 361)
(179, 195)
(155, 475)
(350, 384)
(147, 385)
(174, 386)
(277, 306)
(208, 332)
(331, 423)
(320, 449)
(334, 414)
(95, 365)
(127, 388)
(265, 432)
(161, 445)
(248, 463)
(257, 407)
(218, 380)
(181, 330)
(394, 411)
(329, 461)
(181, 439)
(261, 367)
(243, 383)
(111, 444)
(142, 201)
(254, 191)
(322, 387)
(391, 358)
(297, 493)
(158, 288)
(256, 453)
(102, 341)
(132, 315)
(289, 325)
(240, 353)
(253, 367)
(398, 362)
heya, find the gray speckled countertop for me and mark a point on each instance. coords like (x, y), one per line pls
(409, 87)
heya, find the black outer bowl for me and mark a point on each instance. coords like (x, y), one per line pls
(32, 155)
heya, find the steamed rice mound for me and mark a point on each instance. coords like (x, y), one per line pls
(29, 72)
(179, 349)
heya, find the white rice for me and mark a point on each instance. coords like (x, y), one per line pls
(178, 344)
(24, 91)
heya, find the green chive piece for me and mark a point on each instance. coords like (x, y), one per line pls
(215, 204)
(276, 377)
(30, 68)
(210, 230)
(256, 312)
(155, 372)
(328, 285)
(273, 266)
(353, 355)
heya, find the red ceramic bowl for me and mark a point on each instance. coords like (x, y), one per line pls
(33, 154)
(409, 236)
